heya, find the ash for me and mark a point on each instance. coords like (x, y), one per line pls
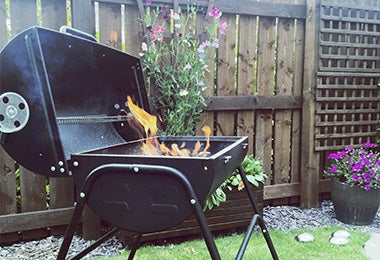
(282, 218)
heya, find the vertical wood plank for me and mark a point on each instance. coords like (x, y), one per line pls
(3, 24)
(207, 118)
(309, 158)
(61, 196)
(297, 91)
(247, 55)
(33, 191)
(132, 29)
(110, 24)
(282, 122)
(23, 14)
(8, 204)
(226, 74)
(83, 15)
(265, 87)
(53, 13)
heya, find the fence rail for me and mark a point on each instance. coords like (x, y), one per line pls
(267, 87)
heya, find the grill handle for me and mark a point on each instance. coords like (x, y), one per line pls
(69, 30)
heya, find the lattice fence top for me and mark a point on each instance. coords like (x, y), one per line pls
(347, 93)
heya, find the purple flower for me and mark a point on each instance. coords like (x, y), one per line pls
(337, 155)
(368, 144)
(355, 177)
(349, 148)
(356, 167)
(215, 44)
(334, 168)
(148, 2)
(367, 187)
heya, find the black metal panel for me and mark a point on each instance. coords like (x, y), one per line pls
(63, 76)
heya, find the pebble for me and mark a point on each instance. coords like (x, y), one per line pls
(282, 218)
(340, 241)
(305, 237)
(342, 234)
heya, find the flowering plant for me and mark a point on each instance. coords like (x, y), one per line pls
(356, 166)
(176, 67)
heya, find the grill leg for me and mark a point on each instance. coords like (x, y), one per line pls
(71, 228)
(207, 236)
(134, 247)
(256, 219)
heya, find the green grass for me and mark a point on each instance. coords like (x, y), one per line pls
(285, 243)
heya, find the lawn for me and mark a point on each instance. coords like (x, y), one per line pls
(285, 243)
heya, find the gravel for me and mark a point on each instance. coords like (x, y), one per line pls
(283, 218)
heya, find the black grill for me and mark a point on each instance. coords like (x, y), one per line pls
(63, 99)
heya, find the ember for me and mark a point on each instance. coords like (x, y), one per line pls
(151, 145)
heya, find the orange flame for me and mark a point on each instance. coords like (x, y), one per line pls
(151, 146)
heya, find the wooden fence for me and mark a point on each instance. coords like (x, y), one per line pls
(271, 77)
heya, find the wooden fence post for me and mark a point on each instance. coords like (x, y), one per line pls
(309, 157)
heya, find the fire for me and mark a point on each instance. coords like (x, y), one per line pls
(151, 145)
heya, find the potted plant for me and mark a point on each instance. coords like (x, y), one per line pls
(253, 168)
(355, 188)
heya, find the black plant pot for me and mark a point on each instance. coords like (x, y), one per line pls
(354, 205)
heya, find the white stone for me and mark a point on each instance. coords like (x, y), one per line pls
(340, 241)
(305, 237)
(342, 234)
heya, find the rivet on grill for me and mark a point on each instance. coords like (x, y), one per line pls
(52, 168)
(82, 195)
(136, 169)
(227, 159)
(193, 201)
(62, 170)
(60, 163)
(76, 164)
(245, 146)
(205, 168)
(69, 46)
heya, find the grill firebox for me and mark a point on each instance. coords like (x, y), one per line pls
(63, 99)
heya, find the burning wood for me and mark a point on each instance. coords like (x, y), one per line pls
(151, 145)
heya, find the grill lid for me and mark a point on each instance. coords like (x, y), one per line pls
(62, 94)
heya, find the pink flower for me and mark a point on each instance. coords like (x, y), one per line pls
(148, 2)
(175, 16)
(215, 13)
(160, 29)
(222, 27)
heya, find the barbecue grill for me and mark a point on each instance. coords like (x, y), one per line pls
(63, 113)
